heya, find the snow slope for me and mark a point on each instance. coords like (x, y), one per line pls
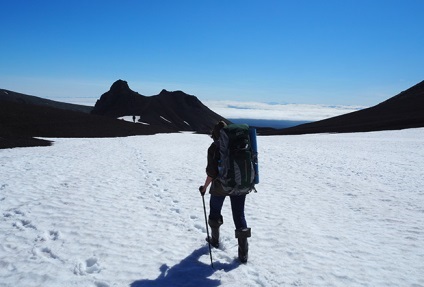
(332, 210)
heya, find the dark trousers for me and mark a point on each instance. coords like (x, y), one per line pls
(237, 207)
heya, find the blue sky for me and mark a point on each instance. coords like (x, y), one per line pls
(307, 52)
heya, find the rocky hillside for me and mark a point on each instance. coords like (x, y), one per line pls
(176, 110)
(405, 110)
(21, 122)
(24, 117)
(11, 96)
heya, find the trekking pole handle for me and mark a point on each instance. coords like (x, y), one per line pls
(200, 189)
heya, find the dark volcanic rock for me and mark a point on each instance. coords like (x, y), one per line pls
(176, 110)
(6, 95)
(19, 122)
(405, 110)
(23, 117)
(13, 142)
(119, 101)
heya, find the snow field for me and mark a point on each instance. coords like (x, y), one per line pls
(332, 210)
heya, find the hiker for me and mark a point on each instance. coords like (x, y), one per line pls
(217, 197)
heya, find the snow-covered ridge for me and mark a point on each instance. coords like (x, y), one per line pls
(163, 118)
(331, 210)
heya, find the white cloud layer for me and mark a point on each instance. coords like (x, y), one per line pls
(287, 112)
(260, 111)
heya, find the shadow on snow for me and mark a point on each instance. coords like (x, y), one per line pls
(189, 272)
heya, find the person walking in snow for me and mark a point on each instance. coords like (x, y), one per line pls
(217, 197)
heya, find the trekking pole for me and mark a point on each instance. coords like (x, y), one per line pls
(206, 223)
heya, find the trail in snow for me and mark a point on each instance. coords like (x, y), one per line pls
(332, 210)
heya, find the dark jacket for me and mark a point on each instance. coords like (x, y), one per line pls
(212, 170)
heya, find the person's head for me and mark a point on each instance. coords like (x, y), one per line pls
(217, 130)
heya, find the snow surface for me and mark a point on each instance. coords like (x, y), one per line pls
(332, 210)
(130, 119)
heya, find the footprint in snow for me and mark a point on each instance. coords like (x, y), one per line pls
(22, 224)
(89, 266)
(45, 253)
(50, 235)
(19, 212)
(176, 210)
(54, 235)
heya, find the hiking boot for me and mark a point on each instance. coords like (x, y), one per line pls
(214, 224)
(243, 245)
(243, 250)
(213, 241)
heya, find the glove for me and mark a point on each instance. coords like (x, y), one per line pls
(202, 192)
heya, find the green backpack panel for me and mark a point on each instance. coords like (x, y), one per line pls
(236, 168)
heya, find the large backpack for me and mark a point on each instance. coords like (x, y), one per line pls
(237, 159)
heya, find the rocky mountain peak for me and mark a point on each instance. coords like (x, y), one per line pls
(170, 109)
(120, 86)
